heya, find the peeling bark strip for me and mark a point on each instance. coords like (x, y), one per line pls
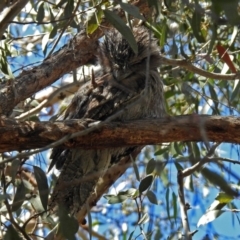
(16, 135)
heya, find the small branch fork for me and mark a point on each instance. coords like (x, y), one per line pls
(184, 207)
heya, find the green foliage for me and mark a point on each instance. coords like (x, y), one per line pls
(151, 165)
(132, 10)
(42, 185)
(121, 26)
(203, 34)
(145, 183)
(152, 197)
(218, 180)
(14, 168)
(94, 20)
(11, 234)
(196, 26)
(19, 196)
(40, 12)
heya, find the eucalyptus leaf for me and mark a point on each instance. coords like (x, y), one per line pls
(94, 19)
(113, 199)
(68, 225)
(145, 183)
(42, 185)
(19, 197)
(224, 198)
(121, 26)
(178, 166)
(132, 10)
(150, 166)
(36, 203)
(175, 203)
(218, 180)
(68, 10)
(53, 33)
(196, 25)
(144, 219)
(129, 193)
(40, 12)
(152, 197)
(135, 168)
(167, 202)
(14, 169)
(236, 91)
(209, 217)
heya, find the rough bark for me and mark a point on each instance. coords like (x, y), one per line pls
(16, 135)
(29, 82)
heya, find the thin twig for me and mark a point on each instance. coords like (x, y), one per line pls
(44, 103)
(183, 209)
(196, 167)
(12, 220)
(189, 66)
(94, 127)
(64, 28)
(32, 217)
(212, 150)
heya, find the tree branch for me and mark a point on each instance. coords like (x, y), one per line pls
(80, 51)
(183, 207)
(189, 66)
(52, 98)
(17, 135)
(10, 14)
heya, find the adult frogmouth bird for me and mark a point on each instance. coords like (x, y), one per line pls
(128, 87)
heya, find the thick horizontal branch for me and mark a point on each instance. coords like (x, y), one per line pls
(16, 135)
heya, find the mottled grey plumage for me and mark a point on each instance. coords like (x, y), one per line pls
(123, 84)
